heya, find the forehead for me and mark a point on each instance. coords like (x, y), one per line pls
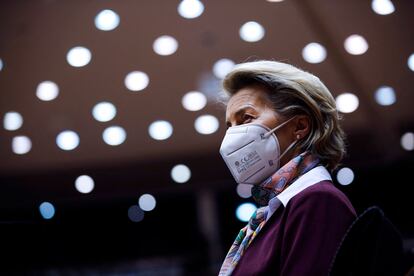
(254, 96)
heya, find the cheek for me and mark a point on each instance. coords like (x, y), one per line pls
(284, 140)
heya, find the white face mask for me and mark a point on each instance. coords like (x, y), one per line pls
(252, 152)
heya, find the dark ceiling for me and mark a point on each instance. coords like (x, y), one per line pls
(36, 36)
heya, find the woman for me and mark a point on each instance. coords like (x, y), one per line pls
(284, 139)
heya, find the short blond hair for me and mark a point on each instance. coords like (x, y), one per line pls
(294, 91)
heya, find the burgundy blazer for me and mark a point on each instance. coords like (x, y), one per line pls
(302, 237)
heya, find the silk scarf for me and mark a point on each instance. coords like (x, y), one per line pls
(262, 194)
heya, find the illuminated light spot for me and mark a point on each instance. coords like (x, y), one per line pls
(190, 8)
(104, 111)
(382, 7)
(314, 53)
(407, 141)
(347, 102)
(245, 211)
(12, 121)
(21, 144)
(206, 124)
(222, 67)
(136, 81)
(160, 130)
(107, 20)
(180, 173)
(274, 1)
(47, 91)
(67, 140)
(251, 31)
(165, 45)
(194, 101)
(47, 210)
(135, 213)
(84, 184)
(147, 202)
(385, 95)
(79, 56)
(114, 135)
(1, 64)
(345, 176)
(410, 62)
(356, 45)
(244, 190)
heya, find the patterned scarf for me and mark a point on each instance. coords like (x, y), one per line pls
(262, 194)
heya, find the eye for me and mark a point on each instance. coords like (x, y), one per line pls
(247, 118)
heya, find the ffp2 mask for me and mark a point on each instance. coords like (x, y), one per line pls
(252, 152)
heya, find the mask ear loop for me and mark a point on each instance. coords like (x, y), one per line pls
(270, 132)
(293, 144)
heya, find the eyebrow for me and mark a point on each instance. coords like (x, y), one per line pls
(242, 110)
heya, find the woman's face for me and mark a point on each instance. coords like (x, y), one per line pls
(252, 105)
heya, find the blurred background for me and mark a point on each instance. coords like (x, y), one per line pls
(111, 124)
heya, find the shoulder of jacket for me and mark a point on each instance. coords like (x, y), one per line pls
(324, 190)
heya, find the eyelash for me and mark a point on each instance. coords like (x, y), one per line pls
(247, 117)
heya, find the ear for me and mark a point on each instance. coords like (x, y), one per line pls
(302, 127)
